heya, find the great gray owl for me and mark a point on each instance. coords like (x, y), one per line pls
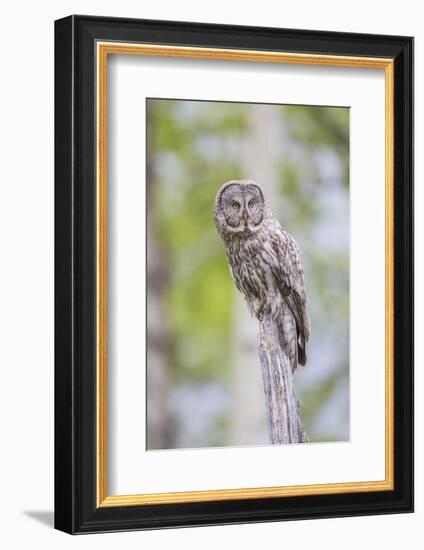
(265, 263)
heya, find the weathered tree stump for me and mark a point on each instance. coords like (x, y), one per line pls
(283, 409)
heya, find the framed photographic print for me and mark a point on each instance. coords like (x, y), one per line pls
(234, 274)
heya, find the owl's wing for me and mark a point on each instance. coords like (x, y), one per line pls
(288, 273)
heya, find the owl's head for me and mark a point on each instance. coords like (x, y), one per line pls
(239, 207)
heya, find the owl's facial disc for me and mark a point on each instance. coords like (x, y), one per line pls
(243, 207)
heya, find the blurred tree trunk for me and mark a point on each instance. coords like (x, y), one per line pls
(159, 429)
(259, 164)
(261, 159)
(248, 415)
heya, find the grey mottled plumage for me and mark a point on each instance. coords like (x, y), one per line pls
(265, 263)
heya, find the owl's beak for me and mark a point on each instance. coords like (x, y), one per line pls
(245, 216)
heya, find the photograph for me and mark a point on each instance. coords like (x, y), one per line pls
(248, 232)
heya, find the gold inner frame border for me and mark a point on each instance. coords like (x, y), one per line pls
(103, 50)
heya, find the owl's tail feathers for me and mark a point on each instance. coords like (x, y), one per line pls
(301, 348)
(301, 354)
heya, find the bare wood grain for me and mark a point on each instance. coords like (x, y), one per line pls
(283, 409)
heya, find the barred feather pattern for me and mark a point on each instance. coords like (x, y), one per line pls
(265, 263)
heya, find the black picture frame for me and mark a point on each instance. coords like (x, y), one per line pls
(76, 510)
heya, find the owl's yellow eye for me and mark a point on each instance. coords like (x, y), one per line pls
(250, 204)
(235, 205)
